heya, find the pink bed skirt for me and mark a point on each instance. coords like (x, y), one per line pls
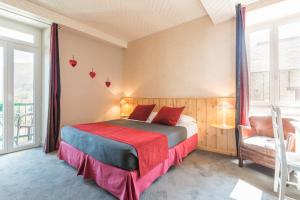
(121, 183)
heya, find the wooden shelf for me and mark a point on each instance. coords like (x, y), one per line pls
(222, 126)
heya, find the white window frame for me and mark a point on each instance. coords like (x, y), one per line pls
(10, 45)
(261, 108)
(21, 28)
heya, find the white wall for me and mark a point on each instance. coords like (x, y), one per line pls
(84, 99)
(195, 59)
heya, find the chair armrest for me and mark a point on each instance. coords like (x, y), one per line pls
(291, 142)
(246, 132)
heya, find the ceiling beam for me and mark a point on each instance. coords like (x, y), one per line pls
(40, 13)
(219, 10)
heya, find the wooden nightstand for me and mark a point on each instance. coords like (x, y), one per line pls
(221, 139)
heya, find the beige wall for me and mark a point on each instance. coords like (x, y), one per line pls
(84, 99)
(195, 59)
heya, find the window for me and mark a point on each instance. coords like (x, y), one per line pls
(17, 35)
(274, 66)
(289, 63)
(260, 66)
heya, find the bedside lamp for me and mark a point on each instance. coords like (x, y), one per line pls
(225, 109)
(124, 108)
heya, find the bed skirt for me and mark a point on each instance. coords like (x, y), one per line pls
(123, 184)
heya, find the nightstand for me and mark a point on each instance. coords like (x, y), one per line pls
(221, 139)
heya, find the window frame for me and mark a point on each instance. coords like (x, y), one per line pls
(24, 28)
(272, 26)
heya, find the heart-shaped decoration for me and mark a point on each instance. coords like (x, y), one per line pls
(107, 83)
(73, 62)
(92, 73)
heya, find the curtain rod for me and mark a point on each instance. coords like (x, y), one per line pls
(12, 12)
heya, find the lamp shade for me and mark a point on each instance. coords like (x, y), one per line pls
(225, 112)
(124, 108)
(123, 101)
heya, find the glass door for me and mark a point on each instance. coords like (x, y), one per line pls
(20, 86)
(19, 97)
(23, 101)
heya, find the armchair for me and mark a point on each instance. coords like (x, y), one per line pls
(256, 142)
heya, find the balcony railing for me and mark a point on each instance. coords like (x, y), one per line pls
(23, 123)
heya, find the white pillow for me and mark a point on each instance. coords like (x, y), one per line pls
(151, 117)
(185, 119)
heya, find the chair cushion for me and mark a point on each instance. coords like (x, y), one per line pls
(261, 144)
(263, 125)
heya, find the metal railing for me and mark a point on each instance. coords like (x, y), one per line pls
(19, 109)
(22, 118)
(22, 109)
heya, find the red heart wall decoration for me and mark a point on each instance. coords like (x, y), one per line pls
(73, 62)
(107, 83)
(92, 73)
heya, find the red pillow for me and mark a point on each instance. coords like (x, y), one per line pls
(168, 115)
(141, 112)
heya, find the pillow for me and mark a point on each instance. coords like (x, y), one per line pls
(151, 117)
(168, 116)
(141, 112)
(185, 119)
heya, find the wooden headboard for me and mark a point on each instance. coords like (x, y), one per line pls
(210, 114)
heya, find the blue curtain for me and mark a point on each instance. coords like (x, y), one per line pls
(242, 82)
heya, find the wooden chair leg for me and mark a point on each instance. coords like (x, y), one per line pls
(241, 162)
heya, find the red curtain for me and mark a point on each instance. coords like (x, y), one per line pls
(242, 81)
(53, 125)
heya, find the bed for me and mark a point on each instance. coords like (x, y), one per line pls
(114, 165)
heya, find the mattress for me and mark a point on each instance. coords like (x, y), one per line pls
(191, 128)
(120, 154)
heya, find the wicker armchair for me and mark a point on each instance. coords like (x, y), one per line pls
(256, 142)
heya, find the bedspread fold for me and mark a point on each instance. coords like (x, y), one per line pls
(151, 147)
